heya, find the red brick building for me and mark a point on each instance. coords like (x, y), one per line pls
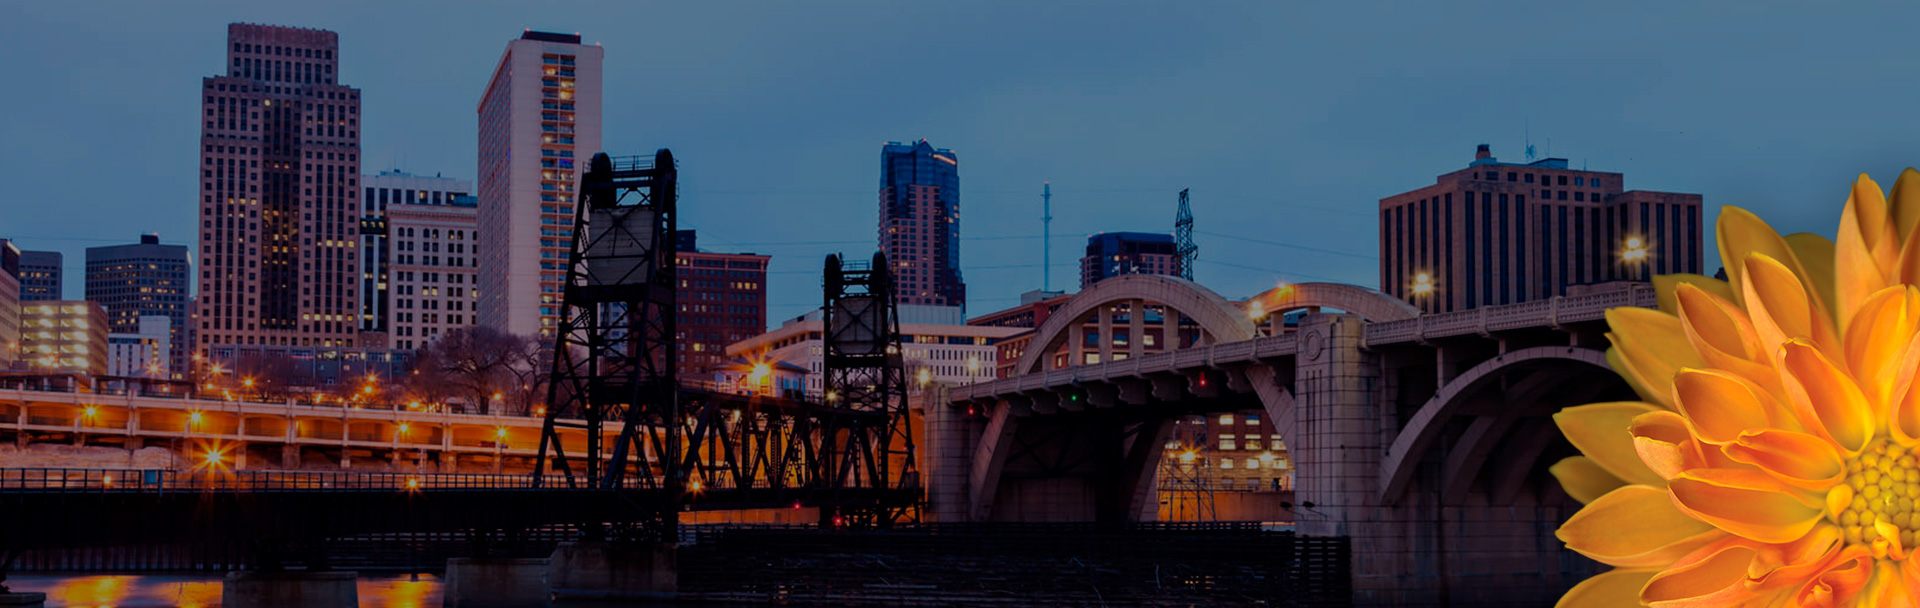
(723, 299)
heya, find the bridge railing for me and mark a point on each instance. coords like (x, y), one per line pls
(271, 480)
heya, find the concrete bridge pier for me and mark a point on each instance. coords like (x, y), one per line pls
(594, 570)
(277, 589)
(495, 583)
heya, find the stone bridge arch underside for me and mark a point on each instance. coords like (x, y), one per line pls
(1090, 450)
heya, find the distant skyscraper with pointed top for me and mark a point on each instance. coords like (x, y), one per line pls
(920, 222)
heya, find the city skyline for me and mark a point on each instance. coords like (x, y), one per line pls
(1678, 121)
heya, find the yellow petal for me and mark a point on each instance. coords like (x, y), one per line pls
(1798, 459)
(1603, 432)
(1664, 443)
(1816, 262)
(1721, 405)
(1653, 343)
(1903, 421)
(1877, 340)
(1741, 233)
(1749, 504)
(1610, 589)
(1864, 251)
(1635, 527)
(1838, 499)
(1717, 579)
(1665, 286)
(1838, 582)
(1636, 380)
(1717, 324)
(1781, 309)
(1887, 589)
(1825, 399)
(1788, 565)
(1584, 480)
(1905, 206)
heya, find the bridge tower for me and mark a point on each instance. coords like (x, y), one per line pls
(870, 443)
(613, 356)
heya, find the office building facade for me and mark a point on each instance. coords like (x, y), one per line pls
(145, 352)
(382, 190)
(539, 123)
(279, 194)
(9, 304)
(1111, 254)
(920, 222)
(1500, 233)
(40, 273)
(722, 300)
(64, 336)
(432, 269)
(140, 280)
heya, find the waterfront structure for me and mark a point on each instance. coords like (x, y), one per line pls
(920, 222)
(279, 194)
(39, 275)
(432, 268)
(64, 336)
(1501, 233)
(539, 122)
(934, 353)
(722, 300)
(9, 304)
(146, 352)
(383, 190)
(341, 371)
(136, 281)
(1111, 254)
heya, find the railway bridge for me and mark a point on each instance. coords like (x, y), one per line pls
(1424, 438)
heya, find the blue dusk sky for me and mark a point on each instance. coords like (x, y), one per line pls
(1289, 121)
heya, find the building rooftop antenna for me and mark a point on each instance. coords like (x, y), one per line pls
(1184, 248)
(1529, 137)
(1046, 235)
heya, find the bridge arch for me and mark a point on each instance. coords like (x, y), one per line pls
(1218, 319)
(1371, 305)
(1466, 392)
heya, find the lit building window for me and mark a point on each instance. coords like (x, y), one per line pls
(1226, 442)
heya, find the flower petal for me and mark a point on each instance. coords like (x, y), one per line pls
(1721, 405)
(1666, 285)
(1825, 399)
(1653, 343)
(1746, 503)
(1887, 589)
(1905, 204)
(1610, 589)
(1785, 565)
(1903, 421)
(1799, 459)
(1839, 582)
(1741, 233)
(1582, 479)
(1781, 308)
(1723, 336)
(1636, 380)
(1635, 527)
(1816, 262)
(1877, 339)
(1665, 443)
(1603, 432)
(1715, 579)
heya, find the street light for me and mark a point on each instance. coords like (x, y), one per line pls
(925, 377)
(1635, 251)
(1423, 284)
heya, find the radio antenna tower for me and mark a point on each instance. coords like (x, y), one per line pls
(1183, 238)
(1046, 235)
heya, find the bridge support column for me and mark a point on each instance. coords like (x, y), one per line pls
(600, 571)
(1338, 420)
(947, 463)
(489, 583)
(276, 589)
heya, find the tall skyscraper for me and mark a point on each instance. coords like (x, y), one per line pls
(9, 304)
(40, 275)
(382, 191)
(1500, 233)
(140, 280)
(279, 193)
(920, 222)
(1111, 254)
(723, 300)
(431, 268)
(539, 122)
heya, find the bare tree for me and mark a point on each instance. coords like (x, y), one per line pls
(482, 367)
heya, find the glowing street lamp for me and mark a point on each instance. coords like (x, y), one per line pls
(1635, 250)
(1423, 284)
(924, 377)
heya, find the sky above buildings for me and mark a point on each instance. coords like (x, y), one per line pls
(1288, 121)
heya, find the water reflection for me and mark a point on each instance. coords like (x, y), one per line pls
(201, 590)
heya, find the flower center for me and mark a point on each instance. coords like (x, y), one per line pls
(1886, 484)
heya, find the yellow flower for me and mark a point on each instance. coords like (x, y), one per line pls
(1772, 459)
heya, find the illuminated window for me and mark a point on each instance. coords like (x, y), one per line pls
(1226, 442)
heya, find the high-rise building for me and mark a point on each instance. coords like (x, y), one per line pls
(920, 222)
(279, 193)
(1111, 254)
(383, 190)
(9, 304)
(1500, 233)
(64, 336)
(539, 122)
(40, 275)
(722, 300)
(139, 280)
(434, 251)
(144, 352)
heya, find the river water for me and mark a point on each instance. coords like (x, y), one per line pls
(202, 590)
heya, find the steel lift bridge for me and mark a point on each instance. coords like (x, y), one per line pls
(677, 444)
